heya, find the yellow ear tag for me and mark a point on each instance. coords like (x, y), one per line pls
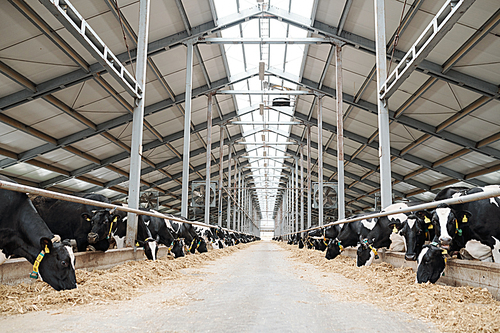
(137, 244)
(47, 249)
(445, 252)
(430, 227)
(88, 219)
(427, 220)
(115, 219)
(395, 230)
(464, 220)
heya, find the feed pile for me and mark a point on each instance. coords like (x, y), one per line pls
(451, 309)
(102, 286)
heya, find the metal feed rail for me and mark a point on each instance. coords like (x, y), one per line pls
(466, 198)
(33, 190)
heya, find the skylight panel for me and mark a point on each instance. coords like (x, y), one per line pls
(302, 7)
(277, 56)
(225, 8)
(252, 53)
(234, 55)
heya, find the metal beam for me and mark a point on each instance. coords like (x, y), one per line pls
(71, 19)
(441, 24)
(265, 92)
(261, 41)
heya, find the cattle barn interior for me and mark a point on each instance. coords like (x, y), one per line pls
(266, 118)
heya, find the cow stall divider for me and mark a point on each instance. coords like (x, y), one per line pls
(66, 197)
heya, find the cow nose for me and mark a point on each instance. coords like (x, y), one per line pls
(445, 240)
(92, 237)
(410, 257)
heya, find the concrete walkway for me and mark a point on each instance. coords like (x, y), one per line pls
(254, 290)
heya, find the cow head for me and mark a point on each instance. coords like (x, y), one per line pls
(57, 267)
(101, 221)
(334, 249)
(414, 232)
(150, 246)
(301, 243)
(447, 223)
(177, 248)
(365, 253)
(201, 245)
(430, 264)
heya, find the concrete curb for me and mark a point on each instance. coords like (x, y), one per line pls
(15, 271)
(457, 273)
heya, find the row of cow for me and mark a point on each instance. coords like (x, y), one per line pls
(468, 230)
(33, 229)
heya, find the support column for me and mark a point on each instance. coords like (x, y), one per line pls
(138, 122)
(239, 202)
(221, 168)
(228, 207)
(383, 110)
(187, 130)
(301, 187)
(320, 160)
(340, 134)
(296, 192)
(234, 195)
(209, 158)
(309, 173)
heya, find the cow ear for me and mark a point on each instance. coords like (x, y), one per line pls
(86, 216)
(424, 215)
(46, 244)
(464, 216)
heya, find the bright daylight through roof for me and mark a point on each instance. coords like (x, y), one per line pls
(267, 152)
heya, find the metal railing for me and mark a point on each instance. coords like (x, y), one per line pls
(6, 185)
(489, 193)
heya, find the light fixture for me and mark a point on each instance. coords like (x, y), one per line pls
(262, 66)
(261, 109)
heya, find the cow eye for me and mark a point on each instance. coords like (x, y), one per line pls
(64, 263)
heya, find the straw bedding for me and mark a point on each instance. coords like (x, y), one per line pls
(102, 286)
(451, 309)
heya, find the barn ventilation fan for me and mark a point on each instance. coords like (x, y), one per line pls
(329, 195)
(149, 199)
(198, 193)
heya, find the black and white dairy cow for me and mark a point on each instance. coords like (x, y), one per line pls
(143, 237)
(162, 231)
(23, 233)
(187, 232)
(378, 233)
(87, 224)
(209, 236)
(348, 236)
(472, 225)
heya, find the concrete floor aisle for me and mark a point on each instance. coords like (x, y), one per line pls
(253, 290)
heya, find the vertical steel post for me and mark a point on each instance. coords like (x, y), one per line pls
(187, 130)
(301, 187)
(228, 207)
(340, 134)
(239, 202)
(138, 122)
(221, 168)
(296, 192)
(209, 158)
(234, 195)
(309, 173)
(320, 160)
(383, 111)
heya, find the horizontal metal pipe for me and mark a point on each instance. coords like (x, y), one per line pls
(433, 204)
(49, 194)
(265, 92)
(263, 123)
